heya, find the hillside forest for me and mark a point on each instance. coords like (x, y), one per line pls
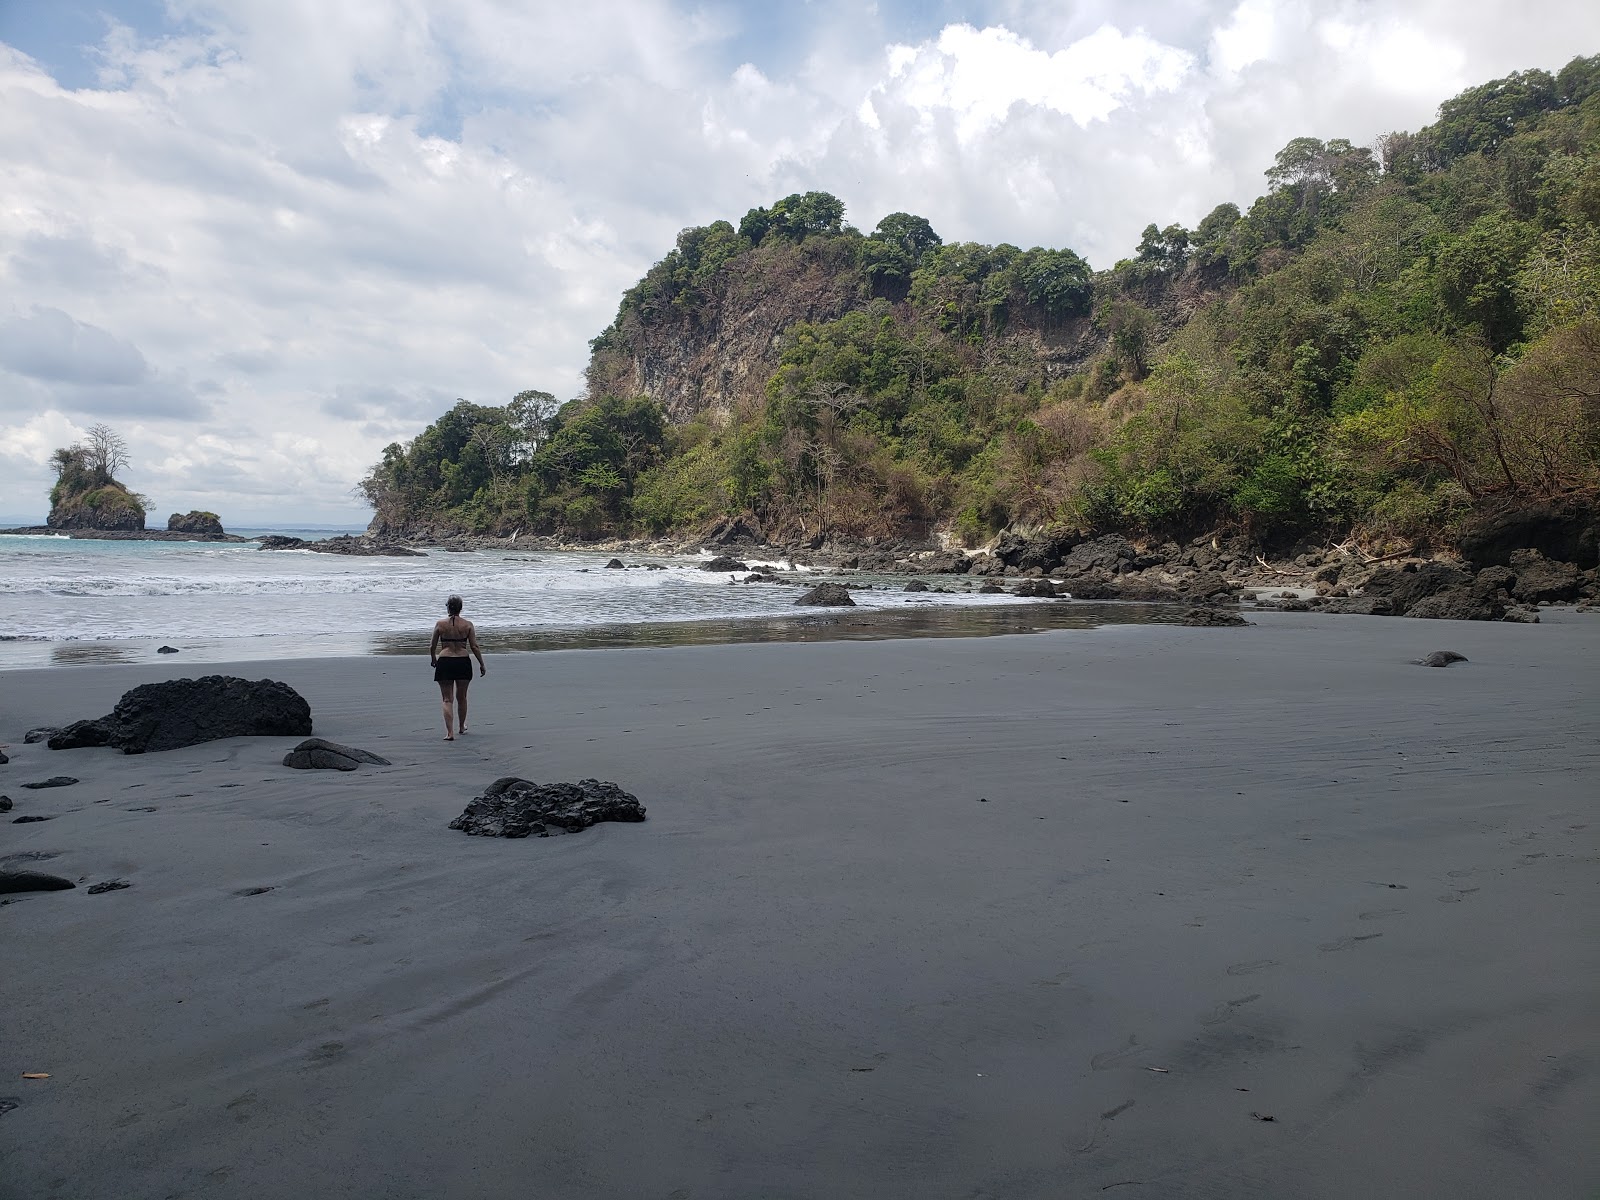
(1386, 343)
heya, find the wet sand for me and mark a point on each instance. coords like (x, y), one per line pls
(1013, 917)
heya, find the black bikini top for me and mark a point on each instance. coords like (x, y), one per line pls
(462, 638)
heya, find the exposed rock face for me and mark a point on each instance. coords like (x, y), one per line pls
(1039, 589)
(185, 712)
(734, 531)
(1110, 554)
(32, 881)
(1207, 584)
(1537, 578)
(315, 754)
(42, 733)
(1564, 531)
(1044, 551)
(614, 564)
(195, 521)
(518, 808)
(827, 594)
(916, 585)
(723, 563)
(108, 506)
(1440, 658)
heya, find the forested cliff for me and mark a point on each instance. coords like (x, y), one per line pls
(1389, 341)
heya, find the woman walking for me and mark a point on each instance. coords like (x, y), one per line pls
(455, 641)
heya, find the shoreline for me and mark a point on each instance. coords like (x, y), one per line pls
(1015, 615)
(907, 919)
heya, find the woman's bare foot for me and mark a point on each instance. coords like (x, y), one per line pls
(449, 739)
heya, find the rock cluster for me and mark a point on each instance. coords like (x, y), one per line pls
(358, 547)
(519, 808)
(185, 712)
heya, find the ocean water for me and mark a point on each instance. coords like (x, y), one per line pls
(68, 601)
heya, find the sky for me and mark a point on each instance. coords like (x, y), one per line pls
(262, 239)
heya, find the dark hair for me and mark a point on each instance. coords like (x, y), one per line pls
(453, 606)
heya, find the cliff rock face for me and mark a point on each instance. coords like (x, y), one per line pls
(110, 506)
(726, 353)
(194, 521)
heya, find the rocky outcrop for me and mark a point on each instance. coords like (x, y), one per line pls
(109, 506)
(1211, 618)
(359, 547)
(1440, 658)
(723, 563)
(54, 781)
(1044, 551)
(315, 754)
(826, 595)
(518, 808)
(1038, 589)
(1537, 578)
(1108, 555)
(1560, 530)
(185, 712)
(195, 521)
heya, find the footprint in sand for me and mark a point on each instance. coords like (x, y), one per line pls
(1379, 914)
(326, 1054)
(1107, 1059)
(241, 1106)
(1345, 943)
(1224, 1012)
(1250, 968)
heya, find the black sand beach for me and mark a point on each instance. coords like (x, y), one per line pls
(1056, 915)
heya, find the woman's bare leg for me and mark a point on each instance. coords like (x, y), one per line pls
(461, 704)
(446, 691)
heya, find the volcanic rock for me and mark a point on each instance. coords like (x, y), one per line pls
(723, 563)
(109, 885)
(916, 585)
(1440, 658)
(32, 881)
(5, 803)
(195, 521)
(827, 595)
(614, 564)
(1406, 585)
(1209, 618)
(1540, 579)
(1036, 589)
(315, 754)
(39, 735)
(1111, 554)
(517, 808)
(166, 649)
(54, 781)
(185, 712)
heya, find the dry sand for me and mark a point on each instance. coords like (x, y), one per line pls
(1032, 916)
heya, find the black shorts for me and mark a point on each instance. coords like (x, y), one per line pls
(454, 668)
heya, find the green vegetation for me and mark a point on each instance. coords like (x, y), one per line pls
(1382, 342)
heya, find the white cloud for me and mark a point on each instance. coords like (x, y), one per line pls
(268, 246)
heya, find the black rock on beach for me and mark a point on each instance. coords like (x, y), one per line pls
(315, 754)
(518, 808)
(185, 712)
